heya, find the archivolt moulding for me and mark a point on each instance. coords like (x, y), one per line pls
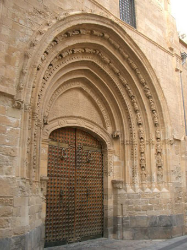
(55, 66)
(81, 122)
(125, 42)
(92, 128)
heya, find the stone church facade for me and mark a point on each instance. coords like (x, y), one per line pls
(93, 123)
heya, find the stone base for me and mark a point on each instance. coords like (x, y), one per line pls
(149, 227)
(32, 240)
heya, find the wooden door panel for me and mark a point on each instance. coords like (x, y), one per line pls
(74, 209)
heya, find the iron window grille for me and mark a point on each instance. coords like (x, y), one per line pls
(127, 12)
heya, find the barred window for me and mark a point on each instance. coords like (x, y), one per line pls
(127, 11)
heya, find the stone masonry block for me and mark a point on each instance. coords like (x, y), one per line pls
(9, 141)
(133, 196)
(18, 243)
(179, 219)
(4, 223)
(9, 151)
(11, 122)
(3, 129)
(5, 233)
(14, 113)
(2, 110)
(6, 160)
(153, 221)
(19, 230)
(16, 212)
(117, 220)
(5, 244)
(141, 233)
(31, 210)
(32, 240)
(164, 221)
(139, 221)
(177, 231)
(20, 201)
(160, 232)
(6, 211)
(128, 234)
(6, 186)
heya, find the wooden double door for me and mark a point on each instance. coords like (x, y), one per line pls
(74, 201)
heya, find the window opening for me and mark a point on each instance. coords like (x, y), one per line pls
(127, 12)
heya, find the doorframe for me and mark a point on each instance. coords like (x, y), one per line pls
(108, 154)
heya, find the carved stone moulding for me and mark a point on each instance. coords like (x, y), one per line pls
(118, 184)
(127, 88)
(94, 32)
(43, 181)
(78, 122)
(116, 135)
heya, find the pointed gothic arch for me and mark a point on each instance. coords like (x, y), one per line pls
(91, 56)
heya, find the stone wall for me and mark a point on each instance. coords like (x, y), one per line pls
(31, 240)
(183, 79)
(20, 200)
(117, 110)
(148, 215)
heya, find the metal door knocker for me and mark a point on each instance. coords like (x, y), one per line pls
(89, 157)
(64, 154)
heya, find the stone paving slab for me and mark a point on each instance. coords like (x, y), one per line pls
(179, 243)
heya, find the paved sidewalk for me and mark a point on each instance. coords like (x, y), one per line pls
(179, 243)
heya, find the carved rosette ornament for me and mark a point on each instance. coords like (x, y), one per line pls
(18, 104)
